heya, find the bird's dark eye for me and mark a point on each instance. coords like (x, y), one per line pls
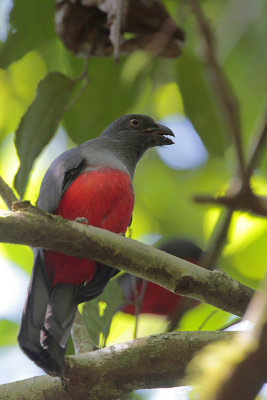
(135, 122)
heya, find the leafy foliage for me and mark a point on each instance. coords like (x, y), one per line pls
(89, 113)
(40, 122)
(99, 312)
(199, 102)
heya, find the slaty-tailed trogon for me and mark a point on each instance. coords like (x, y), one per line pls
(92, 181)
(156, 299)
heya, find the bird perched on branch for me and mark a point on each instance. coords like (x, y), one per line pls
(90, 183)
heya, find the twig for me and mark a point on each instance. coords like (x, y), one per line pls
(217, 241)
(139, 297)
(116, 37)
(257, 146)
(84, 73)
(7, 193)
(80, 336)
(228, 102)
(84, 78)
(247, 201)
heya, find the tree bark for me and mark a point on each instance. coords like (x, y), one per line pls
(108, 373)
(35, 228)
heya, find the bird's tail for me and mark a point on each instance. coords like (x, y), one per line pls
(34, 311)
(60, 313)
(46, 320)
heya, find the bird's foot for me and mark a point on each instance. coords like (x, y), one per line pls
(64, 382)
(82, 220)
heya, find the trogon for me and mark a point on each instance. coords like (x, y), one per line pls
(155, 298)
(91, 183)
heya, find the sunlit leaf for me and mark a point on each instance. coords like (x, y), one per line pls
(204, 317)
(248, 263)
(40, 122)
(123, 326)
(17, 89)
(168, 100)
(98, 313)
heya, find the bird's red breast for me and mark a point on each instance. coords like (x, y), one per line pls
(105, 198)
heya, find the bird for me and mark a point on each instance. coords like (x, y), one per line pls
(154, 298)
(91, 184)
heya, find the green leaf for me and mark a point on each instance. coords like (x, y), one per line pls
(17, 90)
(106, 98)
(8, 332)
(70, 347)
(40, 122)
(32, 24)
(98, 313)
(206, 318)
(200, 103)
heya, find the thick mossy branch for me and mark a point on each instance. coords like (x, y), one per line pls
(33, 227)
(109, 373)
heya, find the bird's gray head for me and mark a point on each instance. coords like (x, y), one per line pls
(138, 130)
(131, 135)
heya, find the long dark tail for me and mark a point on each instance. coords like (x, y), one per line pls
(46, 320)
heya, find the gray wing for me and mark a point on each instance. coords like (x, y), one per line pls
(58, 178)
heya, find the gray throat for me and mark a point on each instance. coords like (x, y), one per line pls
(117, 154)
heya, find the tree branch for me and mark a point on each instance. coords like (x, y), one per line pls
(107, 374)
(7, 193)
(246, 377)
(38, 229)
(243, 200)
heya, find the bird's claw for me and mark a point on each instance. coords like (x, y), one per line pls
(64, 382)
(82, 220)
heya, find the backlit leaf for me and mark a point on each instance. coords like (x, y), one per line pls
(40, 122)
